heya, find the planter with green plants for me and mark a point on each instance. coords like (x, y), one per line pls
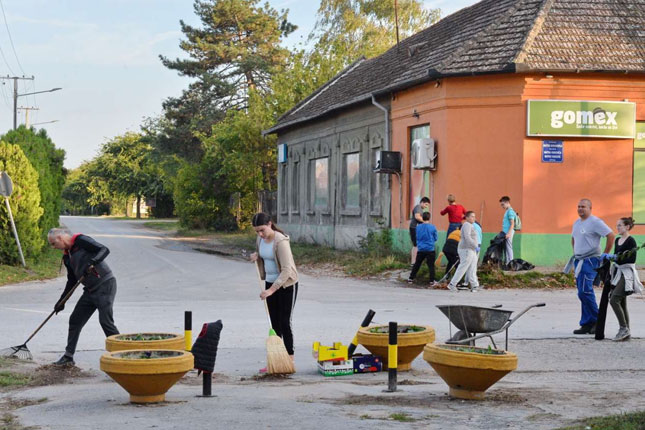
(147, 374)
(469, 370)
(411, 340)
(124, 342)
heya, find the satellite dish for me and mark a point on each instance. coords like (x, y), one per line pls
(6, 186)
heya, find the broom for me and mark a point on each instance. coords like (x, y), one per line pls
(278, 360)
(21, 351)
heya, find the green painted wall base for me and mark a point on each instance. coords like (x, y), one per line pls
(539, 249)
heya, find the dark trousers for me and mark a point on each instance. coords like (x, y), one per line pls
(453, 259)
(429, 257)
(101, 299)
(281, 304)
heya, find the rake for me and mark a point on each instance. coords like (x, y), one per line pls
(21, 351)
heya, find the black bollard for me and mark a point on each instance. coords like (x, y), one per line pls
(207, 384)
(392, 357)
(188, 329)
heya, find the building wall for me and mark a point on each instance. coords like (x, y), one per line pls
(479, 124)
(479, 151)
(359, 130)
(595, 168)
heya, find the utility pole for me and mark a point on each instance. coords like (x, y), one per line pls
(396, 22)
(15, 95)
(27, 109)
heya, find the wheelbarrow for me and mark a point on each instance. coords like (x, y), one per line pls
(476, 322)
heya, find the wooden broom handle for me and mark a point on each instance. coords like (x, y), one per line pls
(64, 299)
(266, 307)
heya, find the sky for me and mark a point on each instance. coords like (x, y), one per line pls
(104, 54)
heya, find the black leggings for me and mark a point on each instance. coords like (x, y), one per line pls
(281, 304)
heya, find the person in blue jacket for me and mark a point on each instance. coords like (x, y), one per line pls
(426, 238)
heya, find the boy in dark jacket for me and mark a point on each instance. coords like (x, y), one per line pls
(426, 238)
(83, 257)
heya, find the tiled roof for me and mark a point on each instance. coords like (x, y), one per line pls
(494, 36)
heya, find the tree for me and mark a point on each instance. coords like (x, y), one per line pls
(348, 29)
(246, 160)
(25, 206)
(234, 51)
(124, 166)
(48, 162)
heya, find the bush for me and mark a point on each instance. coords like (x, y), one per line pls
(200, 200)
(25, 206)
(377, 243)
(48, 162)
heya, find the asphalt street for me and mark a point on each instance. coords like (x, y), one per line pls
(159, 278)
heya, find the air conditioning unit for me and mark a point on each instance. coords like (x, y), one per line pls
(388, 162)
(424, 154)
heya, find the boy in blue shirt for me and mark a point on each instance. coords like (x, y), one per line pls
(426, 238)
(508, 225)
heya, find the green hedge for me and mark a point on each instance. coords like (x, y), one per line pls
(25, 206)
(48, 162)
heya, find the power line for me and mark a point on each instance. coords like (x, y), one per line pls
(5, 61)
(10, 39)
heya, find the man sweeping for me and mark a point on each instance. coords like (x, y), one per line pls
(84, 258)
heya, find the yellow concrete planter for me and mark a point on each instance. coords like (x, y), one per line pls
(125, 342)
(469, 374)
(410, 344)
(147, 374)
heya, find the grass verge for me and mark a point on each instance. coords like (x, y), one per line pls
(627, 421)
(12, 379)
(44, 267)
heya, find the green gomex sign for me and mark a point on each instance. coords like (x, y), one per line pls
(639, 138)
(581, 118)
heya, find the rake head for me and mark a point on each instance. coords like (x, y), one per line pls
(21, 352)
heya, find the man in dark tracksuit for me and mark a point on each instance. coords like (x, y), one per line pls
(83, 256)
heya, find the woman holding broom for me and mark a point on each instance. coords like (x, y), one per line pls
(278, 270)
(624, 275)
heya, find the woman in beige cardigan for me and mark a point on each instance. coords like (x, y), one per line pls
(278, 270)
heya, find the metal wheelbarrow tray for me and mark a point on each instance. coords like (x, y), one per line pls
(471, 320)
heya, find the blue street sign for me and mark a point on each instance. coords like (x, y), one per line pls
(552, 151)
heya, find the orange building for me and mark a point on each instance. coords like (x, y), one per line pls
(540, 100)
(480, 128)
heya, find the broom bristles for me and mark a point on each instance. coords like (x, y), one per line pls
(278, 360)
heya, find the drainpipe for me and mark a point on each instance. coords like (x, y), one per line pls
(386, 115)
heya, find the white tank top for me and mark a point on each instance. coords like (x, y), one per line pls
(270, 265)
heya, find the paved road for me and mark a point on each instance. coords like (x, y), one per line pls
(159, 278)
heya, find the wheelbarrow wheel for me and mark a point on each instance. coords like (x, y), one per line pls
(460, 335)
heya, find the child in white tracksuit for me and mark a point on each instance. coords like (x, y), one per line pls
(467, 249)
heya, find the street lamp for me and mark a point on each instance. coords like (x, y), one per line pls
(15, 101)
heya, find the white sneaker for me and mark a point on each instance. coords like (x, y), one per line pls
(622, 334)
(452, 288)
(474, 290)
